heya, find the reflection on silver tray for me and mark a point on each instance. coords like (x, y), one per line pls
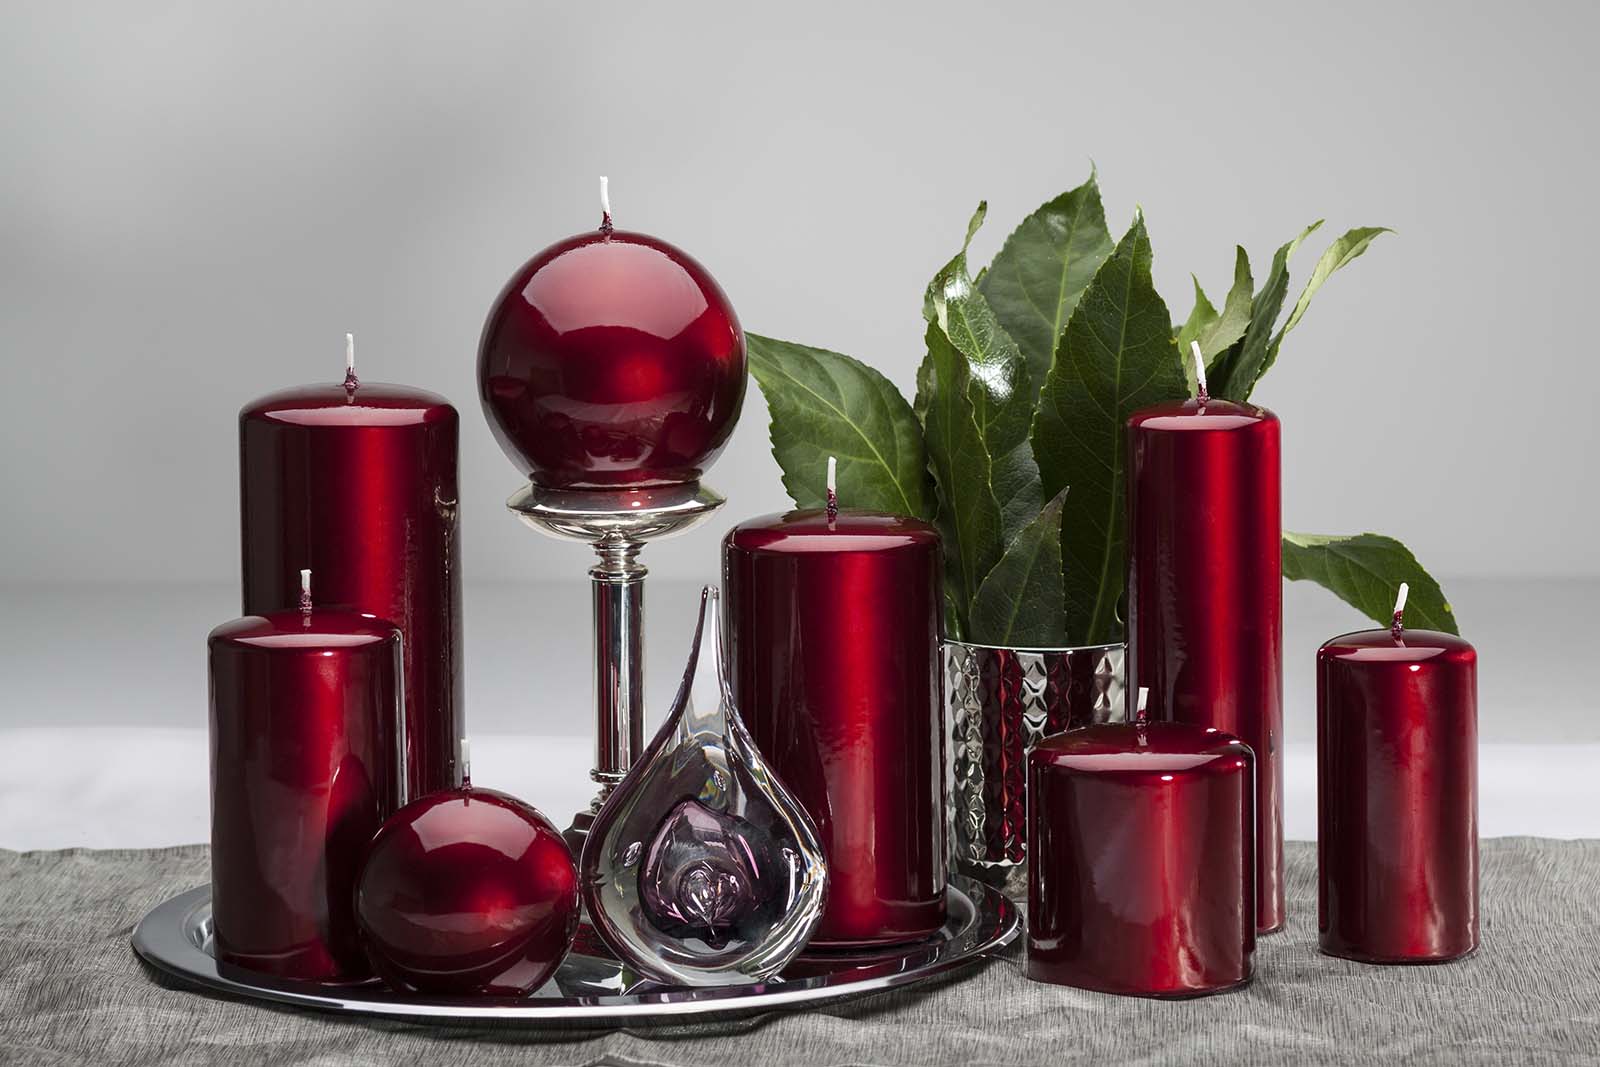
(592, 990)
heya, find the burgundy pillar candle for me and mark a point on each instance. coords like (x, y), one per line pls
(358, 481)
(305, 766)
(1205, 591)
(1140, 874)
(833, 632)
(1397, 795)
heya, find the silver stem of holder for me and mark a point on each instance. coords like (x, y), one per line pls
(616, 523)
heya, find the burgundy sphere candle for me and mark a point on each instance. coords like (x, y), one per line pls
(357, 480)
(611, 359)
(1205, 590)
(468, 892)
(833, 635)
(305, 766)
(1397, 795)
(1140, 850)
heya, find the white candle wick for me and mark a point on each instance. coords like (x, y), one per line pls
(605, 195)
(1397, 627)
(466, 761)
(1199, 367)
(350, 380)
(833, 489)
(305, 591)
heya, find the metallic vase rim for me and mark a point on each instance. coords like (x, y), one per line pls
(1042, 649)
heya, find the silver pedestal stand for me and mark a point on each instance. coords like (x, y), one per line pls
(617, 523)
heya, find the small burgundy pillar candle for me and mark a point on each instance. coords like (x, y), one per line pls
(833, 632)
(1397, 795)
(358, 481)
(1140, 875)
(1205, 590)
(305, 766)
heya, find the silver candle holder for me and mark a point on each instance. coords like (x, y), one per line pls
(616, 523)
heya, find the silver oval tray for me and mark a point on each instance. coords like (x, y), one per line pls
(593, 990)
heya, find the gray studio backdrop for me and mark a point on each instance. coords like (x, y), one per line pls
(198, 200)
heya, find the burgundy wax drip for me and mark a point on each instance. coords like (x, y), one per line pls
(605, 223)
(1397, 628)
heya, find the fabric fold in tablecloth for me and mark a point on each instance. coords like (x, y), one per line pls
(72, 991)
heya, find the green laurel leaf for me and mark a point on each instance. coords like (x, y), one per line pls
(969, 515)
(1040, 273)
(1019, 605)
(1116, 355)
(1365, 571)
(826, 404)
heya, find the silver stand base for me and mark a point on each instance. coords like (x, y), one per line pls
(616, 523)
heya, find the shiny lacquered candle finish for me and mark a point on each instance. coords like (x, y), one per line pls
(358, 482)
(468, 892)
(1140, 873)
(305, 766)
(1205, 591)
(1397, 796)
(833, 632)
(612, 359)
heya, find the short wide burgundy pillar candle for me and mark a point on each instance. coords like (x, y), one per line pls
(1397, 795)
(833, 632)
(305, 766)
(1141, 874)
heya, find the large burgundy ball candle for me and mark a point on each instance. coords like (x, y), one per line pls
(1140, 848)
(305, 710)
(358, 481)
(1205, 591)
(612, 359)
(833, 631)
(1397, 795)
(468, 892)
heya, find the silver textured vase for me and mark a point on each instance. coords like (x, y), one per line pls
(998, 702)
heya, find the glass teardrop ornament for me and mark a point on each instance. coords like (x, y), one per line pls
(701, 869)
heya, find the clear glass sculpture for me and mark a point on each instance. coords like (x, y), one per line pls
(701, 869)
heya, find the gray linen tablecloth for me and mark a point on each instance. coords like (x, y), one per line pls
(71, 991)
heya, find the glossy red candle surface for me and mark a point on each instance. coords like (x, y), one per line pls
(1205, 591)
(304, 769)
(468, 892)
(1140, 860)
(360, 486)
(612, 358)
(1397, 796)
(833, 632)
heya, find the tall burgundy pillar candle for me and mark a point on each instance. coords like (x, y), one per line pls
(358, 481)
(305, 766)
(833, 632)
(1205, 591)
(1397, 795)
